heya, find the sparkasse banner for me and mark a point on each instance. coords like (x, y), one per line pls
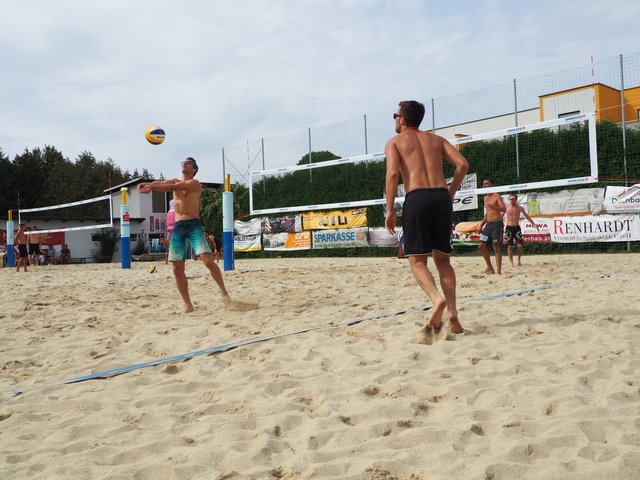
(344, 238)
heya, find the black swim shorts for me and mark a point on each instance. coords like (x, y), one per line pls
(427, 218)
(492, 233)
(513, 235)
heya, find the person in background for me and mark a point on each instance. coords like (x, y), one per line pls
(20, 240)
(514, 232)
(65, 254)
(165, 244)
(492, 228)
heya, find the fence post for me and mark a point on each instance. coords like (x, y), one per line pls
(433, 116)
(366, 142)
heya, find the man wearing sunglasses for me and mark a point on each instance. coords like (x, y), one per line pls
(428, 208)
(186, 195)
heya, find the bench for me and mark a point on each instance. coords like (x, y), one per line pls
(148, 257)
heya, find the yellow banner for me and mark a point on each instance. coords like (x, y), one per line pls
(356, 217)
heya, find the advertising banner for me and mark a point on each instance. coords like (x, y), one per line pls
(585, 201)
(287, 241)
(460, 203)
(622, 199)
(346, 238)
(247, 243)
(335, 219)
(282, 224)
(601, 228)
(380, 237)
(252, 227)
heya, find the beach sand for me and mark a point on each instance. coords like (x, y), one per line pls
(543, 385)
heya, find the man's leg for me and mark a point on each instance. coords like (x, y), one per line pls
(497, 249)
(183, 285)
(487, 258)
(510, 253)
(425, 280)
(448, 284)
(520, 248)
(207, 259)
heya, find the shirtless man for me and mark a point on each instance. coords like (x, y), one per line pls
(514, 232)
(165, 244)
(428, 208)
(492, 228)
(34, 246)
(20, 240)
(186, 194)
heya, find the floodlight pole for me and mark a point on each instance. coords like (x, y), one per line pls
(515, 104)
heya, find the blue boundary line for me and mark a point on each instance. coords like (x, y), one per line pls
(248, 341)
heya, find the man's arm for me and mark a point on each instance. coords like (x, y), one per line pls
(455, 158)
(391, 184)
(531, 220)
(169, 186)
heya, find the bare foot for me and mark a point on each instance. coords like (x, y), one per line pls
(454, 324)
(188, 308)
(435, 319)
(489, 270)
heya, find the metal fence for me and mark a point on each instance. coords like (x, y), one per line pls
(512, 103)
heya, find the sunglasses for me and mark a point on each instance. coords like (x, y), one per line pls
(396, 115)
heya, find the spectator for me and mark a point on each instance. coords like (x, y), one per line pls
(65, 254)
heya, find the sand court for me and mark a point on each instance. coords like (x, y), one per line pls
(543, 384)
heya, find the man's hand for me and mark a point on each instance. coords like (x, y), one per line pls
(144, 187)
(390, 221)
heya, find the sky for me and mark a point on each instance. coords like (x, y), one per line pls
(92, 76)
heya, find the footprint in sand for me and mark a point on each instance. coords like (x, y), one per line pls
(240, 306)
(428, 336)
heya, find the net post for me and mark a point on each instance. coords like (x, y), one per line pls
(10, 250)
(125, 231)
(227, 225)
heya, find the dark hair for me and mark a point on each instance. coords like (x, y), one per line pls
(490, 180)
(193, 162)
(412, 112)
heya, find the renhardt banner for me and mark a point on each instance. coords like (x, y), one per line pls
(356, 217)
(247, 243)
(287, 241)
(600, 228)
(345, 238)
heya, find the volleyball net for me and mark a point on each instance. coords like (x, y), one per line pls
(96, 209)
(556, 153)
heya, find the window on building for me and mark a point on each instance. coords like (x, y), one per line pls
(158, 202)
(567, 114)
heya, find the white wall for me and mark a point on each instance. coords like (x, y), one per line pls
(578, 101)
(490, 124)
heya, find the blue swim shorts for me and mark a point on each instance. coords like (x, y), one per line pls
(187, 230)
